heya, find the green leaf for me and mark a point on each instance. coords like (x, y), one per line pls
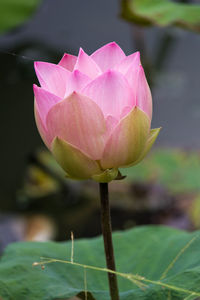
(162, 13)
(164, 263)
(15, 12)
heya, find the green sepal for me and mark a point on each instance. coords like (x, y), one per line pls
(120, 176)
(106, 176)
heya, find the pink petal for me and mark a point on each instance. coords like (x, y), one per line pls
(44, 102)
(111, 92)
(143, 95)
(78, 121)
(41, 127)
(111, 123)
(76, 82)
(126, 110)
(132, 77)
(108, 56)
(132, 61)
(86, 65)
(138, 83)
(52, 78)
(68, 62)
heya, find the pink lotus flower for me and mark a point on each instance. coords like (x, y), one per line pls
(94, 112)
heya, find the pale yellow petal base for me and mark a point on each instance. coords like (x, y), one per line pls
(75, 163)
(127, 141)
(78, 165)
(150, 141)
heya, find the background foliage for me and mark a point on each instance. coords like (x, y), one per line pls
(15, 12)
(162, 13)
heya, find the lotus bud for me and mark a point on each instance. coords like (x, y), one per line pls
(94, 112)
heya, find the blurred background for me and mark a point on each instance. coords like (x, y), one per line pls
(36, 201)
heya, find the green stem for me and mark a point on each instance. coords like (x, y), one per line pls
(107, 237)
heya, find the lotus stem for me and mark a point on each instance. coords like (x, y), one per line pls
(107, 237)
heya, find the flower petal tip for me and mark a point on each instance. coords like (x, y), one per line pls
(113, 44)
(76, 73)
(35, 87)
(38, 63)
(81, 51)
(35, 64)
